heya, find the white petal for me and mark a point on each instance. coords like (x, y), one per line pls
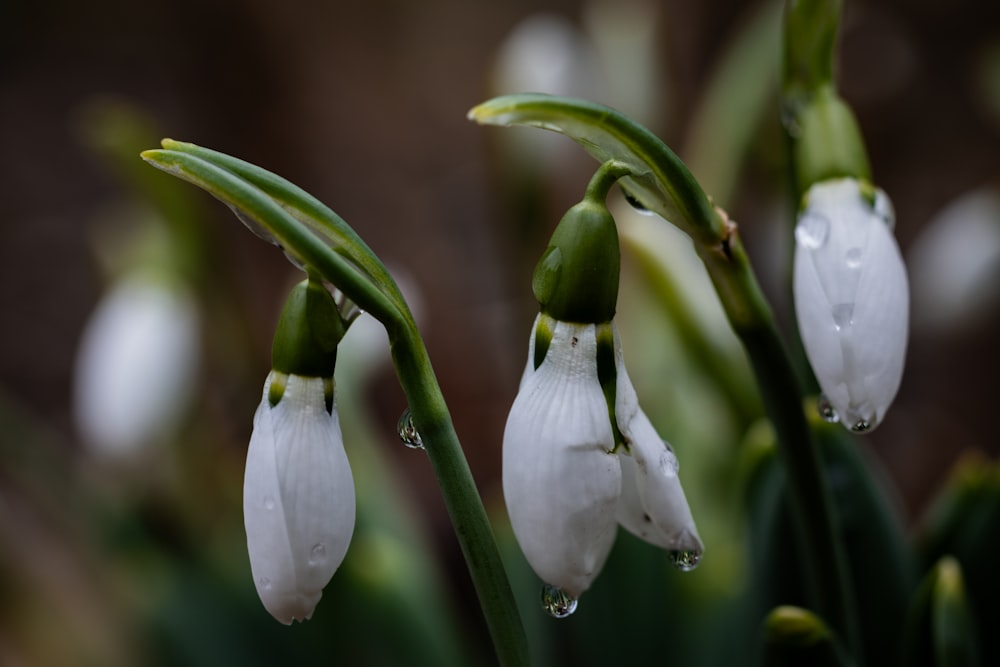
(851, 300)
(298, 499)
(561, 482)
(136, 364)
(653, 506)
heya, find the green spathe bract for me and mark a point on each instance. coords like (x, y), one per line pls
(309, 329)
(577, 278)
(828, 143)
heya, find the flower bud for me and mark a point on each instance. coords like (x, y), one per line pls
(851, 298)
(298, 495)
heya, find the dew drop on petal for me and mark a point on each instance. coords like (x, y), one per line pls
(265, 584)
(853, 258)
(826, 410)
(843, 314)
(317, 554)
(556, 602)
(812, 231)
(685, 561)
(862, 425)
(269, 502)
(408, 432)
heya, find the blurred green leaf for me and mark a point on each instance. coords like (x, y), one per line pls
(880, 560)
(659, 182)
(795, 637)
(965, 524)
(940, 627)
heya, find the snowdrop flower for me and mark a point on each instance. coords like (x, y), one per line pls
(137, 361)
(298, 495)
(298, 492)
(851, 298)
(579, 456)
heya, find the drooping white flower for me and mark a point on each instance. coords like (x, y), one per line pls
(561, 480)
(137, 360)
(851, 299)
(298, 495)
(566, 483)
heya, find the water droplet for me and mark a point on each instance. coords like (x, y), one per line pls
(853, 258)
(843, 314)
(296, 262)
(556, 602)
(685, 561)
(269, 502)
(408, 432)
(265, 584)
(826, 411)
(812, 231)
(317, 554)
(258, 230)
(884, 210)
(862, 425)
(634, 202)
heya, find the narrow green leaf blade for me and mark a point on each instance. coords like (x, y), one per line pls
(659, 182)
(268, 219)
(795, 636)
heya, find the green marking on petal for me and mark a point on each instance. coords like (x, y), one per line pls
(543, 338)
(277, 388)
(328, 394)
(607, 375)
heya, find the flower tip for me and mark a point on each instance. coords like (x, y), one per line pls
(288, 607)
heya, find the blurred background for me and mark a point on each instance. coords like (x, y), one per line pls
(125, 546)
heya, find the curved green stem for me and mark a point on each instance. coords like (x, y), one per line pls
(666, 186)
(468, 515)
(327, 246)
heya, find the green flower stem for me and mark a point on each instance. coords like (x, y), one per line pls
(328, 247)
(662, 183)
(824, 135)
(468, 515)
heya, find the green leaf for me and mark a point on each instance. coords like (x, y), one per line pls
(964, 523)
(940, 630)
(658, 180)
(269, 219)
(881, 564)
(795, 636)
(302, 206)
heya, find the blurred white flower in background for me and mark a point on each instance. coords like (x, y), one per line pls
(955, 263)
(136, 364)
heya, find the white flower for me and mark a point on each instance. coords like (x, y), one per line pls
(137, 361)
(298, 496)
(565, 483)
(851, 299)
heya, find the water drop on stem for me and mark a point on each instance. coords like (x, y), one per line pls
(408, 432)
(556, 602)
